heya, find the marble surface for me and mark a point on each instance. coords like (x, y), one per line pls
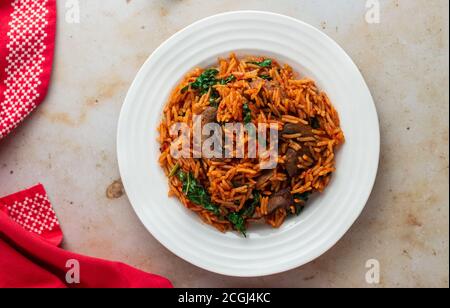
(68, 144)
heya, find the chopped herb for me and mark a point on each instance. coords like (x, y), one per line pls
(299, 209)
(214, 104)
(174, 170)
(207, 80)
(315, 123)
(238, 222)
(303, 197)
(250, 210)
(227, 80)
(235, 184)
(196, 193)
(185, 89)
(265, 63)
(266, 77)
(214, 98)
(300, 206)
(237, 219)
(247, 113)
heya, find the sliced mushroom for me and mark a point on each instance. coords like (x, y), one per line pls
(291, 162)
(291, 128)
(271, 85)
(255, 84)
(264, 178)
(281, 199)
(305, 151)
(209, 116)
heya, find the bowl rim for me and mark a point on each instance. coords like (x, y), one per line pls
(372, 176)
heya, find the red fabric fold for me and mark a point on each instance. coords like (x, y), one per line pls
(28, 261)
(32, 210)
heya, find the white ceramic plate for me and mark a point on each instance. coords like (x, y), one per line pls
(265, 251)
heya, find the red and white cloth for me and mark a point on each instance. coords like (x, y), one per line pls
(30, 258)
(32, 210)
(27, 38)
(29, 229)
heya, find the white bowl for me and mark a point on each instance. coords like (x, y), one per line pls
(328, 216)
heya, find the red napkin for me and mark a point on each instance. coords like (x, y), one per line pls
(27, 38)
(29, 256)
(29, 229)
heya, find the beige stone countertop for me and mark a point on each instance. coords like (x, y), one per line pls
(69, 143)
